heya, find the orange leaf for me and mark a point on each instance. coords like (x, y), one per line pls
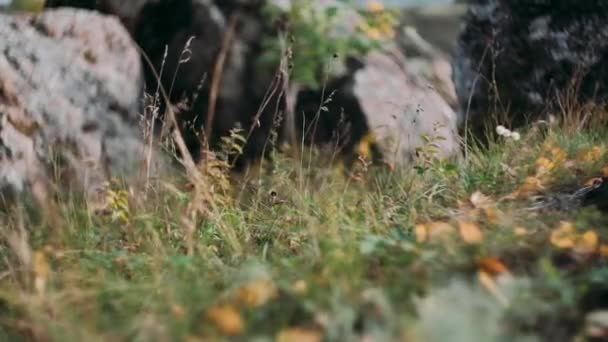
(470, 233)
(521, 231)
(559, 155)
(531, 186)
(592, 155)
(564, 236)
(594, 181)
(299, 335)
(227, 320)
(432, 230)
(258, 292)
(41, 270)
(587, 243)
(421, 233)
(493, 266)
(544, 165)
(493, 215)
(604, 251)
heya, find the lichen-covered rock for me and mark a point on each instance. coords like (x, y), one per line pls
(382, 98)
(402, 104)
(70, 92)
(404, 112)
(202, 28)
(520, 57)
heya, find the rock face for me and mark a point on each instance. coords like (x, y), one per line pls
(530, 51)
(203, 27)
(439, 24)
(376, 94)
(402, 104)
(403, 111)
(70, 92)
(382, 97)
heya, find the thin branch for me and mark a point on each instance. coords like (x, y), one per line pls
(218, 71)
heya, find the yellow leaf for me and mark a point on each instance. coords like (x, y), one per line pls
(364, 148)
(258, 292)
(520, 231)
(299, 335)
(41, 270)
(373, 33)
(605, 171)
(604, 251)
(421, 233)
(531, 186)
(559, 155)
(439, 228)
(226, 319)
(489, 284)
(300, 287)
(587, 243)
(564, 236)
(493, 215)
(544, 165)
(470, 232)
(432, 230)
(593, 155)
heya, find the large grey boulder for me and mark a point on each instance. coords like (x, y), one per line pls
(404, 112)
(70, 92)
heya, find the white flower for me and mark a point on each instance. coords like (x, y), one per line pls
(501, 130)
(515, 136)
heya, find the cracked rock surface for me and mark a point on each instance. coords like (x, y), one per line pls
(70, 92)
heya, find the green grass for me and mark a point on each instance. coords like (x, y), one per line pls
(336, 257)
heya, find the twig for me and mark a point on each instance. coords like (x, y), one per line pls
(218, 71)
(187, 160)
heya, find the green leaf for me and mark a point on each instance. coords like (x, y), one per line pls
(331, 12)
